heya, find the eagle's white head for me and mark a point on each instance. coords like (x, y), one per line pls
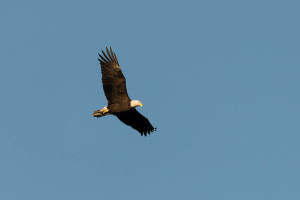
(135, 103)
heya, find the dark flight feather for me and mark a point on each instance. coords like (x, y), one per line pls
(136, 120)
(113, 80)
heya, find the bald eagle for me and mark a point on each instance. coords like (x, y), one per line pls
(119, 103)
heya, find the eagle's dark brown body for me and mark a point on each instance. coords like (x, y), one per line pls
(119, 103)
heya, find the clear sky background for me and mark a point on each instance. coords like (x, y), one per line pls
(219, 79)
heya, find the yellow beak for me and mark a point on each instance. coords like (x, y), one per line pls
(141, 104)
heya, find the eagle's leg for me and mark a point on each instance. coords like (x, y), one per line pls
(100, 113)
(105, 110)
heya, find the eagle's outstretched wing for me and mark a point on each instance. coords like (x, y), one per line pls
(114, 82)
(136, 120)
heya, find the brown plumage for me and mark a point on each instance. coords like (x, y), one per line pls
(119, 103)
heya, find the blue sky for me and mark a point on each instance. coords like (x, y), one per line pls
(219, 79)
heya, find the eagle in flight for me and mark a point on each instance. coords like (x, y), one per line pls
(118, 101)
